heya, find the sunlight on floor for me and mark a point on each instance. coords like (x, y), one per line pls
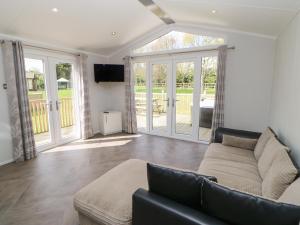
(109, 138)
(87, 146)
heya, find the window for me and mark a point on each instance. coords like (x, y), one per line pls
(178, 40)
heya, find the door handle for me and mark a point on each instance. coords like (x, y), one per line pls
(174, 101)
(168, 101)
(50, 106)
(57, 105)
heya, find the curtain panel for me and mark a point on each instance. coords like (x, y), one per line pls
(218, 115)
(130, 114)
(20, 118)
(84, 100)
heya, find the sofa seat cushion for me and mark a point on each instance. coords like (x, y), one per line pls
(219, 151)
(108, 200)
(241, 176)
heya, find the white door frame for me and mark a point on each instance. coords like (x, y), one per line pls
(50, 59)
(59, 140)
(186, 57)
(167, 62)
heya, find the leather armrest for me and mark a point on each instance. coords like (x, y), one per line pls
(150, 209)
(233, 132)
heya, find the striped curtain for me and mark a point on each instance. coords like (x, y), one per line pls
(130, 114)
(218, 115)
(84, 100)
(20, 119)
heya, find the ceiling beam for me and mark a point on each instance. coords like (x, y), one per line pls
(155, 9)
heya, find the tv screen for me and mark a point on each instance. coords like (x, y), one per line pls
(109, 73)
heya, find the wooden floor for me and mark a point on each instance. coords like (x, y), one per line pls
(40, 191)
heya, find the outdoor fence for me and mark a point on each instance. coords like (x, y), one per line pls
(39, 114)
(183, 104)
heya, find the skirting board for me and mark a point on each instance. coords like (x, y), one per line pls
(6, 162)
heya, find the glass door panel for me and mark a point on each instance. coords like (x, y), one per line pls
(140, 88)
(183, 99)
(65, 104)
(38, 100)
(207, 96)
(159, 97)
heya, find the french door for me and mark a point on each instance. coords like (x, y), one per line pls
(175, 96)
(52, 99)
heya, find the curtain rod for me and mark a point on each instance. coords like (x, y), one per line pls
(49, 49)
(182, 52)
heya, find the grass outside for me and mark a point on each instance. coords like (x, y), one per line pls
(62, 93)
(142, 89)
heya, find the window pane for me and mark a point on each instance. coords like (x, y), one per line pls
(139, 71)
(179, 40)
(159, 97)
(38, 101)
(184, 97)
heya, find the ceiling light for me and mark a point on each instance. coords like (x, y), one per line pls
(114, 33)
(214, 11)
(55, 10)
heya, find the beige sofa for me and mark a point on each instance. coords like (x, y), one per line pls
(265, 171)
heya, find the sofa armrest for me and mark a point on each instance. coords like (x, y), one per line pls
(149, 209)
(238, 133)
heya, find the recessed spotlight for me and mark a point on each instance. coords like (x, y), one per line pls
(114, 33)
(55, 10)
(214, 11)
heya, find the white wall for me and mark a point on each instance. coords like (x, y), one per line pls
(248, 81)
(285, 105)
(98, 97)
(5, 137)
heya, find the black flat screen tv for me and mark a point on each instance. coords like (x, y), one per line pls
(109, 73)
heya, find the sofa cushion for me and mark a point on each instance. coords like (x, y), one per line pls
(179, 186)
(273, 147)
(262, 141)
(239, 142)
(240, 208)
(219, 151)
(108, 200)
(291, 194)
(280, 175)
(238, 175)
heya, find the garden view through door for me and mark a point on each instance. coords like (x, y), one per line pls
(183, 97)
(159, 98)
(39, 99)
(65, 103)
(51, 99)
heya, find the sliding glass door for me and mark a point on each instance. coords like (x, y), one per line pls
(175, 96)
(52, 99)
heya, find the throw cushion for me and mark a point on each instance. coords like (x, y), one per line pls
(240, 208)
(291, 194)
(262, 141)
(180, 186)
(280, 175)
(273, 147)
(239, 142)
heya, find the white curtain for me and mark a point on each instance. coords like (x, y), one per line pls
(218, 115)
(84, 101)
(19, 110)
(130, 115)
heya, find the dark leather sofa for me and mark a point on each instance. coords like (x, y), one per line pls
(152, 209)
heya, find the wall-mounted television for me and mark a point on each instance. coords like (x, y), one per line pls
(109, 73)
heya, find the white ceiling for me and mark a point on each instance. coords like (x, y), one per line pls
(266, 17)
(88, 24)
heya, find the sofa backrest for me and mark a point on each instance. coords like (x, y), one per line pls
(292, 194)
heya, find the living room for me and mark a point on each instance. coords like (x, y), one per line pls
(108, 107)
